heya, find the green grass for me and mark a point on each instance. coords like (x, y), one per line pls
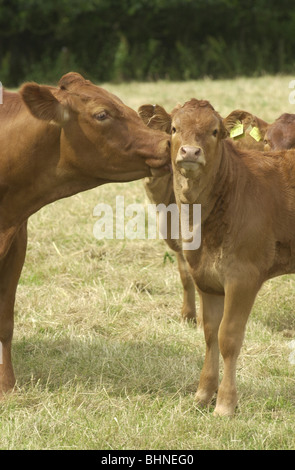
(101, 357)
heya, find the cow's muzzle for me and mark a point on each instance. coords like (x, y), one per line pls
(161, 162)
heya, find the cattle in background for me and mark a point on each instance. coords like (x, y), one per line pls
(252, 129)
(160, 191)
(248, 233)
(281, 134)
(55, 142)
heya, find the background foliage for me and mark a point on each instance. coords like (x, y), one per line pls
(116, 40)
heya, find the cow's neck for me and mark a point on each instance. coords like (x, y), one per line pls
(34, 179)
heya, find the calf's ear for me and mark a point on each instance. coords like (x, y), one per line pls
(235, 116)
(43, 105)
(262, 125)
(223, 132)
(155, 117)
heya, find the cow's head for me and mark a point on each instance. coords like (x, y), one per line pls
(281, 134)
(252, 129)
(100, 136)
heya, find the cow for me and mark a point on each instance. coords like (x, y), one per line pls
(248, 233)
(55, 142)
(160, 190)
(281, 134)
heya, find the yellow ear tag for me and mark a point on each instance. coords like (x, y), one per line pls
(237, 130)
(255, 133)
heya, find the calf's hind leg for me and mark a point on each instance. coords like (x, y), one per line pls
(10, 270)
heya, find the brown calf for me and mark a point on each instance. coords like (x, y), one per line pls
(281, 134)
(248, 233)
(160, 190)
(248, 139)
(56, 142)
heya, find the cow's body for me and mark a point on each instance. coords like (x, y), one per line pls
(56, 142)
(281, 134)
(248, 233)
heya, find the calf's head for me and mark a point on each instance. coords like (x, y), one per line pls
(100, 137)
(281, 134)
(252, 129)
(197, 131)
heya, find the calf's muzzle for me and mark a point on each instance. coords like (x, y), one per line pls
(189, 157)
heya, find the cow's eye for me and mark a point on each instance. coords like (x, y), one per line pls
(101, 116)
(215, 132)
(173, 130)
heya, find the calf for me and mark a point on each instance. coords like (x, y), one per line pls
(252, 129)
(160, 190)
(248, 233)
(56, 142)
(281, 134)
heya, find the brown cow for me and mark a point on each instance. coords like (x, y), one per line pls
(160, 190)
(281, 134)
(56, 142)
(248, 233)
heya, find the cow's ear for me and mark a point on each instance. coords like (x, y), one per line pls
(146, 112)
(238, 115)
(261, 124)
(71, 80)
(223, 131)
(43, 105)
(155, 117)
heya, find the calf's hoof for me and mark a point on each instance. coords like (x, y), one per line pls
(226, 406)
(7, 386)
(189, 316)
(224, 411)
(203, 398)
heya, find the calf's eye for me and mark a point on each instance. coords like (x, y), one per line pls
(215, 132)
(173, 130)
(100, 116)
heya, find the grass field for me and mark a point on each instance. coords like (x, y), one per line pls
(101, 357)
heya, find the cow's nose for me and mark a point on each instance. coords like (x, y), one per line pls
(189, 152)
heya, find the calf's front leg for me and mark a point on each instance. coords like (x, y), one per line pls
(188, 311)
(10, 270)
(212, 306)
(239, 299)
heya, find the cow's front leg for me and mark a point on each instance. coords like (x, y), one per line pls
(212, 314)
(239, 299)
(10, 270)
